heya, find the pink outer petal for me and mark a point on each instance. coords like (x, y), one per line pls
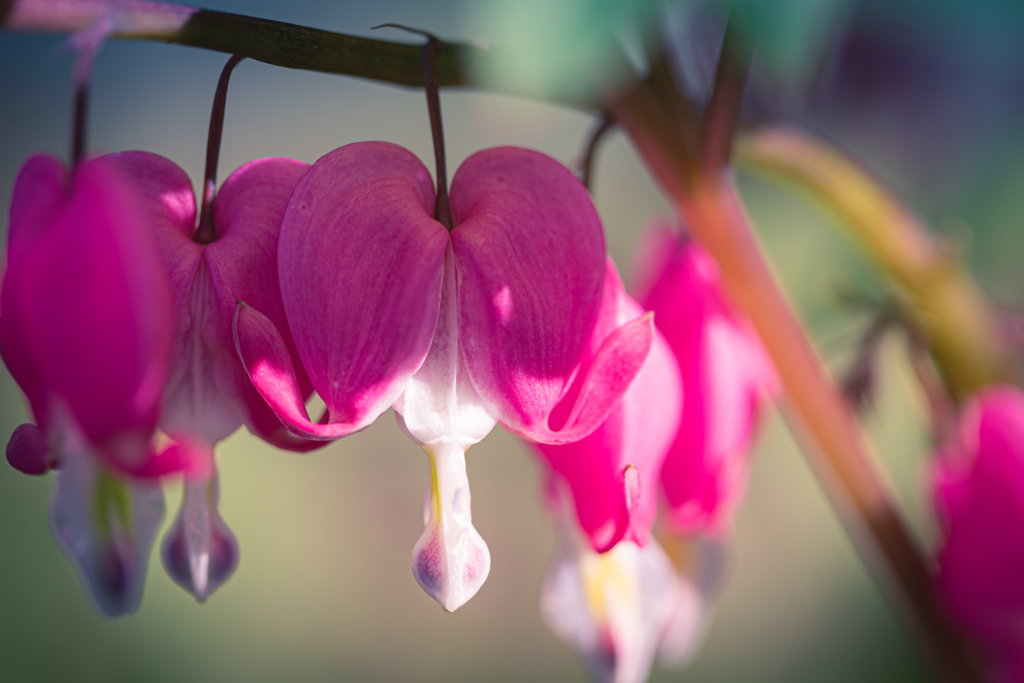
(360, 262)
(36, 198)
(727, 374)
(633, 439)
(242, 264)
(88, 273)
(981, 501)
(529, 252)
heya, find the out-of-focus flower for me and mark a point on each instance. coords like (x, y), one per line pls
(490, 322)
(610, 589)
(978, 488)
(727, 374)
(728, 378)
(613, 473)
(86, 330)
(208, 394)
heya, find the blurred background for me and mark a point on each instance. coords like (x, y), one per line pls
(929, 95)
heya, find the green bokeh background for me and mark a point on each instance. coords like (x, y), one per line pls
(324, 590)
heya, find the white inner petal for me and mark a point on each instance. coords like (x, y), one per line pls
(441, 410)
(612, 608)
(104, 524)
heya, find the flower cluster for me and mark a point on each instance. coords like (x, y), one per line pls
(145, 328)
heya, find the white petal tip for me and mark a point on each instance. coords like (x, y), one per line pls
(451, 576)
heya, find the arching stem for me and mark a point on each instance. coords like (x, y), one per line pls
(207, 231)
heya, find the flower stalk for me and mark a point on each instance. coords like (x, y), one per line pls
(207, 230)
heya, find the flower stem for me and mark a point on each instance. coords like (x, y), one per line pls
(604, 124)
(207, 230)
(428, 57)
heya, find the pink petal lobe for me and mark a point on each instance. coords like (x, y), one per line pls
(529, 250)
(360, 260)
(613, 472)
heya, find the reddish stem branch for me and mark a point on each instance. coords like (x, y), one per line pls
(830, 434)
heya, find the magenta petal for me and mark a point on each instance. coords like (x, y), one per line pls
(27, 451)
(613, 472)
(89, 273)
(529, 250)
(360, 261)
(981, 502)
(265, 357)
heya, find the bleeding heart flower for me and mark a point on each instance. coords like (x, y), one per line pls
(978, 488)
(86, 330)
(613, 473)
(490, 322)
(208, 394)
(727, 374)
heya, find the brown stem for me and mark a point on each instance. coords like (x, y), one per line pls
(428, 55)
(816, 410)
(207, 230)
(428, 65)
(586, 165)
(723, 113)
(78, 126)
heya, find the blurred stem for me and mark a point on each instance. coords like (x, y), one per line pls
(947, 303)
(829, 432)
(605, 124)
(272, 42)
